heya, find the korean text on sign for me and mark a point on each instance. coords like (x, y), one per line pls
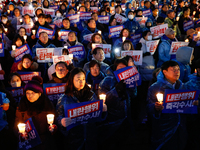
(180, 101)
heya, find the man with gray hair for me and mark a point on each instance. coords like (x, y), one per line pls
(165, 46)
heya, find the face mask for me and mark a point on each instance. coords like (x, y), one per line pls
(130, 17)
(58, 14)
(16, 84)
(4, 21)
(149, 38)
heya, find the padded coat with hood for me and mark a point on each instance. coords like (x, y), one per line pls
(164, 125)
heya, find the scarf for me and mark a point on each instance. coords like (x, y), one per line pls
(83, 95)
(44, 45)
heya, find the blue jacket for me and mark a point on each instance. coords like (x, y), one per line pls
(3, 122)
(86, 31)
(79, 137)
(127, 9)
(183, 56)
(163, 50)
(153, 19)
(193, 83)
(37, 45)
(163, 14)
(164, 125)
(132, 25)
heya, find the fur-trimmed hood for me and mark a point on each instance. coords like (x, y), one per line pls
(33, 67)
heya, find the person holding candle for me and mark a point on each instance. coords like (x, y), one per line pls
(27, 20)
(94, 76)
(82, 136)
(34, 104)
(118, 102)
(14, 80)
(8, 28)
(167, 129)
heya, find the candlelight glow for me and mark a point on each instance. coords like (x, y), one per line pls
(159, 97)
(102, 97)
(33, 31)
(70, 56)
(13, 47)
(21, 127)
(50, 118)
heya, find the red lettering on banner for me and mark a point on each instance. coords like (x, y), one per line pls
(83, 110)
(127, 74)
(55, 90)
(28, 126)
(180, 96)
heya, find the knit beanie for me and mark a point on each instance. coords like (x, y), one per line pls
(34, 85)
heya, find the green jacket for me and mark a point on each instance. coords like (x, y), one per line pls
(174, 27)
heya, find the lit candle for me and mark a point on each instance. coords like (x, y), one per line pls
(194, 18)
(117, 50)
(66, 47)
(21, 127)
(99, 31)
(177, 18)
(186, 40)
(199, 33)
(123, 38)
(8, 11)
(77, 7)
(31, 24)
(102, 97)
(25, 37)
(50, 119)
(194, 12)
(159, 97)
(59, 34)
(36, 18)
(33, 31)
(20, 20)
(89, 85)
(70, 56)
(5, 29)
(13, 47)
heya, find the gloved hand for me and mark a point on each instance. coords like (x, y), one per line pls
(146, 54)
(121, 88)
(66, 122)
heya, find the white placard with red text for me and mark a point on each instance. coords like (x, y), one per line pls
(159, 30)
(176, 45)
(28, 10)
(58, 22)
(136, 54)
(64, 58)
(49, 12)
(151, 46)
(88, 37)
(106, 48)
(44, 54)
(120, 18)
(141, 20)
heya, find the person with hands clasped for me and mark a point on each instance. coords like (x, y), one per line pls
(82, 136)
(167, 129)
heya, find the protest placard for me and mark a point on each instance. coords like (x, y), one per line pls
(176, 45)
(77, 51)
(180, 101)
(106, 48)
(159, 30)
(152, 46)
(21, 51)
(136, 54)
(130, 75)
(27, 76)
(50, 32)
(114, 31)
(82, 113)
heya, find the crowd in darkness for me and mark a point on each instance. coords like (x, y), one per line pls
(80, 33)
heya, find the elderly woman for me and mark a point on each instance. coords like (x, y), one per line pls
(34, 104)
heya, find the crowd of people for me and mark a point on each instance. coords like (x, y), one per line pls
(91, 72)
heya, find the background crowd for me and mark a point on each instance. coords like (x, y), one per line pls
(125, 109)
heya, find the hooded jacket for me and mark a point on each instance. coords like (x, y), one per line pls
(164, 125)
(33, 67)
(183, 57)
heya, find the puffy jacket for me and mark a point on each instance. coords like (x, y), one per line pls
(153, 19)
(193, 83)
(170, 23)
(183, 57)
(38, 112)
(163, 50)
(148, 64)
(82, 136)
(163, 14)
(132, 25)
(164, 125)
